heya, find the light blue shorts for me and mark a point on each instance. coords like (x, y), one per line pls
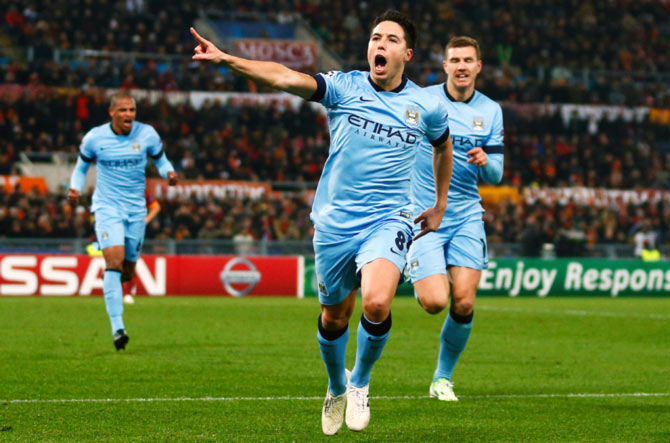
(340, 257)
(461, 244)
(115, 228)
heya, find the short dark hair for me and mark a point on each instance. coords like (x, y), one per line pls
(118, 95)
(405, 22)
(463, 41)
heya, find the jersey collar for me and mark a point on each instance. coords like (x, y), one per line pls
(378, 88)
(111, 128)
(469, 99)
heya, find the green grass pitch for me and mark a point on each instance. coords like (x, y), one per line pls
(224, 369)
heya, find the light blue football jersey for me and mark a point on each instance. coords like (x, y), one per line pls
(121, 161)
(474, 123)
(374, 137)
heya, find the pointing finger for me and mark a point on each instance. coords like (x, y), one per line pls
(197, 36)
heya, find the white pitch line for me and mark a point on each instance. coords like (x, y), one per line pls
(289, 398)
(576, 312)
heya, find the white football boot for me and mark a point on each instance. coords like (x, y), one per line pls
(443, 389)
(332, 414)
(358, 407)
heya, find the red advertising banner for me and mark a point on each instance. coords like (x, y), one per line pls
(64, 275)
(298, 55)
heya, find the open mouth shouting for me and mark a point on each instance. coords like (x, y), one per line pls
(380, 64)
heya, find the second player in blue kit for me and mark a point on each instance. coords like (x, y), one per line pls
(362, 212)
(449, 262)
(120, 150)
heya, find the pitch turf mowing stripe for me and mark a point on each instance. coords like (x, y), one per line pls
(574, 312)
(381, 397)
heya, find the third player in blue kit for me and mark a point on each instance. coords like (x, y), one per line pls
(449, 262)
(362, 212)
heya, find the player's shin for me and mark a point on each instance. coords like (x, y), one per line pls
(333, 346)
(371, 339)
(453, 339)
(111, 283)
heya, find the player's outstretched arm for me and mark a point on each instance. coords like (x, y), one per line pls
(77, 180)
(273, 74)
(431, 218)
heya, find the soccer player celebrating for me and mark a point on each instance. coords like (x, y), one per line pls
(362, 210)
(450, 261)
(120, 149)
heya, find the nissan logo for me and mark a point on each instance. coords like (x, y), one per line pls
(245, 275)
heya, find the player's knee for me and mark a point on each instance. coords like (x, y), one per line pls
(113, 263)
(334, 320)
(432, 306)
(463, 307)
(431, 302)
(375, 306)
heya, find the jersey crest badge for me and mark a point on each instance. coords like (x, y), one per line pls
(477, 125)
(412, 116)
(135, 147)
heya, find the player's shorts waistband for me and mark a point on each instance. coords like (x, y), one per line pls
(402, 215)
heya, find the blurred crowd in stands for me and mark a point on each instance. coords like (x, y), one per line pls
(218, 141)
(103, 73)
(558, 51)
(571, 226)
(578, 51)
(110, 25)
(503, 83)
(574, 228)
(547, 150)
(623, 35)
(277, 143)
(274, 216)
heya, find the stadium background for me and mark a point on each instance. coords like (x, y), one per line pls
(584, 87)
